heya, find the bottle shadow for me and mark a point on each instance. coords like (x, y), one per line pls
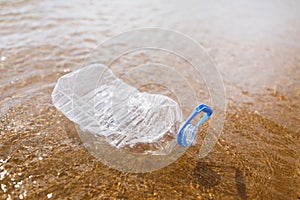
(208, 178)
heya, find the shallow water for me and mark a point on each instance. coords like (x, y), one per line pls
(256, 46)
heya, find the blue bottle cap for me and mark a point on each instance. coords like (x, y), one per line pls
(187, 132)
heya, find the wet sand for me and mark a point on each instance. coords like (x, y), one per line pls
(256, 47)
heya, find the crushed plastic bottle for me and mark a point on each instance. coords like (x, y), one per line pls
(102, 104)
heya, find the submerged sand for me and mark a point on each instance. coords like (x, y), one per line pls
(256, 48)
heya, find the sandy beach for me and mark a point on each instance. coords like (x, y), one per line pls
(256, 48)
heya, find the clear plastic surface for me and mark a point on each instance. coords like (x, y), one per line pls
(102, 104)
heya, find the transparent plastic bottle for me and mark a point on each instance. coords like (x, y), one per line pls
(102, 104)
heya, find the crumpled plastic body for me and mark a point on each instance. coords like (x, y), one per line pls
(102, 104)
